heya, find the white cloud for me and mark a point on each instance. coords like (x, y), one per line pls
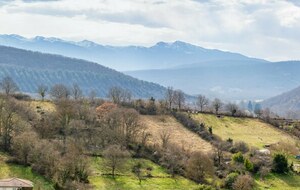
(259, 28)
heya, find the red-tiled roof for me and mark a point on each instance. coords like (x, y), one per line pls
(15, 182)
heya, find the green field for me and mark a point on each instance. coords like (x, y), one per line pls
(279, 182)
(127, 180)
(252, 131)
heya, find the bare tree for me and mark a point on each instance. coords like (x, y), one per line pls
(60, 91)
(217, 104)
(76, 91)
(165, 138)
(232, 108)
(170, 97)
(7, 123)
(202, 101)
(243, 182)
(126, 96)
(179, 98)
(173, 159)
(8, 86)
(115, 94)
(137, 170)
(42, 89)
(23, 145)
(114, 157)
(219, 152)
(130, 125)
(199, 166)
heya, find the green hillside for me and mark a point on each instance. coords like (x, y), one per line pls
(126, 179)
(252, 131)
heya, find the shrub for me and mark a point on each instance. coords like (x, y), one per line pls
(243, 182)
(199, 166)
(248, 165)
(241, 146)
(230, 179)
(280, 163)
(238, 157)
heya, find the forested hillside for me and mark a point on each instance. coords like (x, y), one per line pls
(30, 69)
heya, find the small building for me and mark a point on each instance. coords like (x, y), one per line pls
(15, 184)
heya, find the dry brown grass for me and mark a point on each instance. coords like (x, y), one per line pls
(180, 136)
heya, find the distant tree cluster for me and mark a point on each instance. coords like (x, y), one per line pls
(175, 98)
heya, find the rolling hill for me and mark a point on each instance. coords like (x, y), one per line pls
(286, 104)
(30, 69)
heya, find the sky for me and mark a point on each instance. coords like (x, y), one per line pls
(268, 29)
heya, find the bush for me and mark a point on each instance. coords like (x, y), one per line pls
(198, 167)
(280, 163)
(241, 146)
(230, 179)
(238, 157)
(248, 165)
(243, 182)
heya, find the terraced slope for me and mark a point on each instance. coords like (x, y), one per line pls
(179, 134)
(252, 131)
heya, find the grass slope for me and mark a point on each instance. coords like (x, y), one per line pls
(252, 131)
(13, 170)
(279, 182)
(127, 180)
(181, 136)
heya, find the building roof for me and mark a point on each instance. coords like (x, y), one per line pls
(15, 182)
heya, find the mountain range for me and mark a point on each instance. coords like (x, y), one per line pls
(30, 69)
(195, 70)
(127, 58)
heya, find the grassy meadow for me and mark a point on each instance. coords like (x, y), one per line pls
(252, 131)
(125, 178)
